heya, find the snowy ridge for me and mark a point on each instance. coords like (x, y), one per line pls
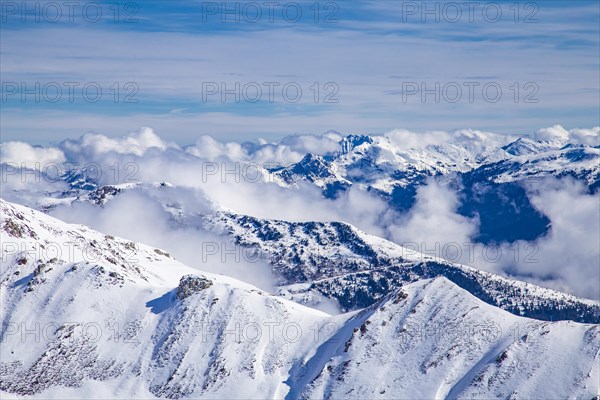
(432, 340)
(578, 162)
(341, 262)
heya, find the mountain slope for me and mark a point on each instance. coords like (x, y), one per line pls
(377, 163)
(342, 263)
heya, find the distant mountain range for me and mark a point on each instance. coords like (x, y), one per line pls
(489, 180)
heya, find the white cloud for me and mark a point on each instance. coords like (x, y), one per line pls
(95, 145)
(555, 132)
(316, 144)
(568, 256)
(474, 141)
(433, 222)
(289, 150)
(24, 155)
(209, 148)
(590, 137)
(136, 216)
(566, 259)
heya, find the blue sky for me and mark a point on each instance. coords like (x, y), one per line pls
(362, 67)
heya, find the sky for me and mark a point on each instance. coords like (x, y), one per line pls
(243, 70)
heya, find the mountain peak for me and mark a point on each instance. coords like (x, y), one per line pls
(348, 143)
(526, 146)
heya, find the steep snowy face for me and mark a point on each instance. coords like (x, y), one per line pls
(372, 163)
(355, 269)
(377, 162)
(314, 169)
(88, 315)
(431, 339)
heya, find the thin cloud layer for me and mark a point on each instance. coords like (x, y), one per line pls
(138, 217)
(177, 52)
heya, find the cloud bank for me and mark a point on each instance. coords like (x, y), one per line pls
(212, 175)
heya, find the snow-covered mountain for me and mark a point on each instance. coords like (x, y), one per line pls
(80, 307)
(433, 333)
(342, 263)
(378, 163)
(85, 314)
(536, 160)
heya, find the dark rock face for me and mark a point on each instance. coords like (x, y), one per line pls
(190, 284)
(100, 195)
